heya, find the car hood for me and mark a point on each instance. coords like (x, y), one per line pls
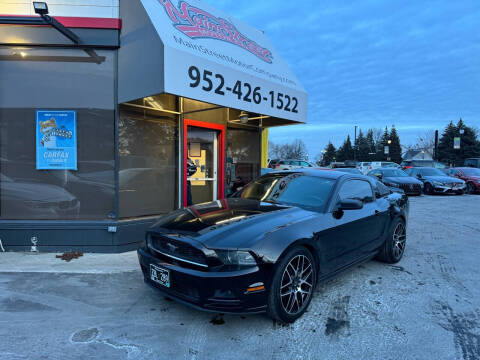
(443, 179)
(228, 224)
(401, 180)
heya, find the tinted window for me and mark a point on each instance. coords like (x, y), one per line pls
(309, 192)
(357, 190)
(431, 172)
(471, 172)
(393, 173)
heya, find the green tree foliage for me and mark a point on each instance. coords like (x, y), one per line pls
(330, 153)
(395, 147)
(469, 144)
(345, 152)
(371, 145)
(381, 156)
(363, 147)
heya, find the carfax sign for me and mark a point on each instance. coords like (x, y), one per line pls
(56, 136)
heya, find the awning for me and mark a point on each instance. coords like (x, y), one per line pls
(192, 50)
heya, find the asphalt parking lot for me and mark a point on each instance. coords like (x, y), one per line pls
(425, 307)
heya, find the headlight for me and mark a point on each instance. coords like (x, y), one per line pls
(438, 183)
(234, 257)
(392, 184)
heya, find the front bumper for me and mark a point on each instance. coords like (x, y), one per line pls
(449, 189)
(206, 290)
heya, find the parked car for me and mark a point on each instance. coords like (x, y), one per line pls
(349, 170)
(471, 176)
(384, 164)
(406, 164)
(267, 248)
(399, 179)
(350, 163)
(336, 164)
(436, 182)
(272, 163)
(364, 167)
(472, 162)
(292, 164)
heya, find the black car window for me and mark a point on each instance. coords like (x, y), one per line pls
(309, 192)
(471, 172)
(393, 173)
(431, 172)
(356, 190)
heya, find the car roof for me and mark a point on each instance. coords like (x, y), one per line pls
(324, 173)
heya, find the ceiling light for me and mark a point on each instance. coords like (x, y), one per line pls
(243, 117)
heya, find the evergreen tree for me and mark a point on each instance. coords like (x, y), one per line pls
(381, 156)
(330, 153)
(363, 147)
(371, 145)
(345, 152)
(469, 144)
(395, 147)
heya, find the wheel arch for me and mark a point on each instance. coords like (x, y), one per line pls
(306, 243)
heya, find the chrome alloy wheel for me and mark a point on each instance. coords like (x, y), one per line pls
(297, 284)
(399, 239)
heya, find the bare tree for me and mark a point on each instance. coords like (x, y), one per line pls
(295, 150)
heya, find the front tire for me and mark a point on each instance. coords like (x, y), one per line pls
(394, 246)
(470, 188)
(428, 189)
(292, 286)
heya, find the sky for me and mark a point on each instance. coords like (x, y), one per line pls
(374, 63)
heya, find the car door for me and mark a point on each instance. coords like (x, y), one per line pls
(355, 231)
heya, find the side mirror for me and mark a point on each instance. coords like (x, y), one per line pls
(419, 176)
(350, 204)
(378, 176)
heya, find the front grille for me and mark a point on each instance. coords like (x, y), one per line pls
(178, 250)
(411, 188)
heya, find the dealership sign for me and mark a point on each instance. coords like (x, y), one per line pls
(211, 57)
(56, 140)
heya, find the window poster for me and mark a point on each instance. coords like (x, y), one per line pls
(56, 136)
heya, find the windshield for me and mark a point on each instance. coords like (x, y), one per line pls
(472, 172)
(309, 192)
(393, 173)
(431, 172)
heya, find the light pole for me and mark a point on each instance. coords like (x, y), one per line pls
(355, 144)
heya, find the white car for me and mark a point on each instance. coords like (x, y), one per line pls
(384, 164)
(364, 167)
(292, 164)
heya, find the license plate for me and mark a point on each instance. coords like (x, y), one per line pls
(160, 275)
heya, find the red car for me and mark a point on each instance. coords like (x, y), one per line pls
(470, 175)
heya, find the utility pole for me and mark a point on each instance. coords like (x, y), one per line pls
(355, 144)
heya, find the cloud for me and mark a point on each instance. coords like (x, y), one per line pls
(375, 63)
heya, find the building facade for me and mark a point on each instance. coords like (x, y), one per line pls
(148, 107)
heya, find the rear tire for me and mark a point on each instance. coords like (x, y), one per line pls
(394, 246)
(292, 286)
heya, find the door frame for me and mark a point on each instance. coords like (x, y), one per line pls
(220, 152)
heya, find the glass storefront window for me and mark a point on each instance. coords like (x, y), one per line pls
(243, 158)
(148, 168)
(87, 193)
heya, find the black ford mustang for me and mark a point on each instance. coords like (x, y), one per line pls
(266, 248)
